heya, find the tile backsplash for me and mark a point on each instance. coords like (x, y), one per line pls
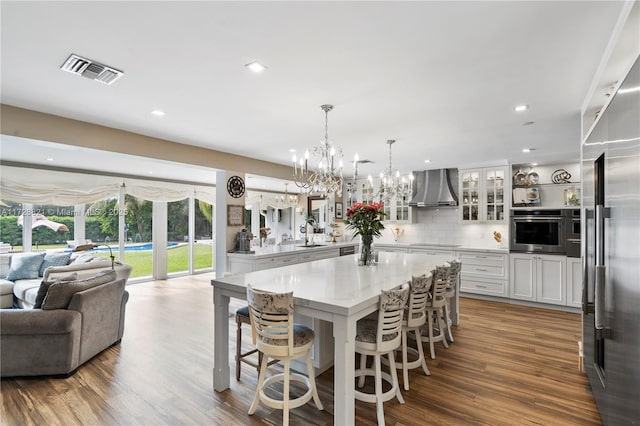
(443, 226)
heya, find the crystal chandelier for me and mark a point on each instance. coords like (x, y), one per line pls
(391, 184)
(352, 186)
(326, 178)
(286, 200)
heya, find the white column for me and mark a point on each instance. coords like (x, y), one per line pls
(121, 223)
(79, 224)
(192, 232)
(27, 220)
(255, 219)
(225, 235)
(159, 238)
(220, 228)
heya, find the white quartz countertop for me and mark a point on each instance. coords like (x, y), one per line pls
(282, 250)
(432, 246)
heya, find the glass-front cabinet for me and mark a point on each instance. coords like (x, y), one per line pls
(494, 184)
(470, 195)
(483, 194)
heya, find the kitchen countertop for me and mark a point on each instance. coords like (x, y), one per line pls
(262, 252)
(452, 247)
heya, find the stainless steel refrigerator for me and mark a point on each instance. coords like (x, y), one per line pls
(611, 256)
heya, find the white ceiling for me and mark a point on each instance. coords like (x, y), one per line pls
(442, 78)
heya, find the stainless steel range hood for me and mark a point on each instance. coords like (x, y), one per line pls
(435, 188)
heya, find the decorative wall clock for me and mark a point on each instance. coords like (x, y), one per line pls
(235, 186)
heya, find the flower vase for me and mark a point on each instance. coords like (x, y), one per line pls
(366, 254)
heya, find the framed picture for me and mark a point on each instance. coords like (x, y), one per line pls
(338, 210)
(235, 215)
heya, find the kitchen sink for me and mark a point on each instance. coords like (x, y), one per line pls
(313, 245)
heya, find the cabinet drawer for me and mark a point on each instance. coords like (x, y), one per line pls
(286, 260)
(326, 254)
(482, 271)
(492, 288)
(484, 259)
(306, 257)
(432, 252)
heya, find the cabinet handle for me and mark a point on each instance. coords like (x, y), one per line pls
(481, 286)
(481, 257)
(481, 270)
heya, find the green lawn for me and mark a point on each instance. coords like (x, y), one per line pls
(177, 258)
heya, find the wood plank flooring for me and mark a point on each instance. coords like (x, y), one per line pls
(509, 365)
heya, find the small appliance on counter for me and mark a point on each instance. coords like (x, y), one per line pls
(243, 242)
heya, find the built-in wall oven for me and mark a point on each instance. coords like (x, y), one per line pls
(538, 231)
(572, 229)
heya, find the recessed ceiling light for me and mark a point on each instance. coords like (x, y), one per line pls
(528, 123)
(525, 150)
(521, 108)
(49, 159)
(150, 172)
(534, 164)
(427, 161)
(292, 150)
(256, 67)
(158, 113)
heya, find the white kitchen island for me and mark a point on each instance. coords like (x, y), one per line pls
(335, 290)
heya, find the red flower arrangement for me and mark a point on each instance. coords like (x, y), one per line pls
(366, 219)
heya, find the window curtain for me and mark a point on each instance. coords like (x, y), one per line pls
(38, 186)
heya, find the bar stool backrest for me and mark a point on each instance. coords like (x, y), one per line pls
(271, 320)
(390, 314)
(415, 314)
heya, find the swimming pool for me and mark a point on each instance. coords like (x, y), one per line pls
(134, 247)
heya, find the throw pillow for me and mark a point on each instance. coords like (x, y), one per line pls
(83, 258)
(25, 266)
(54, 259)
(60, 293)
(44, 287)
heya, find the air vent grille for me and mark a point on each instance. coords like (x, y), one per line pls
(91, 69)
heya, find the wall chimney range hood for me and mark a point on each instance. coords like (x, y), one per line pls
(435, 188)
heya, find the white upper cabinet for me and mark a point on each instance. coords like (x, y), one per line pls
(483, 195)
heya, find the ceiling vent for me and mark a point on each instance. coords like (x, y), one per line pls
(91, 69)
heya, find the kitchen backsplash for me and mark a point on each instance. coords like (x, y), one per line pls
(442, 226)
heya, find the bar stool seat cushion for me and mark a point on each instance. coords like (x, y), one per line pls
(366, 331)
(244, 311)
(301, 336)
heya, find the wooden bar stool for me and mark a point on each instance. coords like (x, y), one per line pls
(242, 317)
(435, 310)
(415, 316)
(453, 280)
(277, 337)
(378, 337)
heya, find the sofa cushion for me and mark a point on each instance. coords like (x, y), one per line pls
(25, 266)
(44, 287)
(81, 257)
(21, 287)
(54, 259)
(60, 293)
(5, 265)
(6, 287)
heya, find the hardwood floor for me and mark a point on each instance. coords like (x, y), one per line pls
(509, 365)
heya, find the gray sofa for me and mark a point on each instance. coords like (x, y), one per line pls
(22, 292)
(57, 341)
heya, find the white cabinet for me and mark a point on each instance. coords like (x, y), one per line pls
(574, 282)
(484, 195)
(241, 264)
(431, 251)
(538, 278)
(484, 273)
(388, 247)
(398, 210)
